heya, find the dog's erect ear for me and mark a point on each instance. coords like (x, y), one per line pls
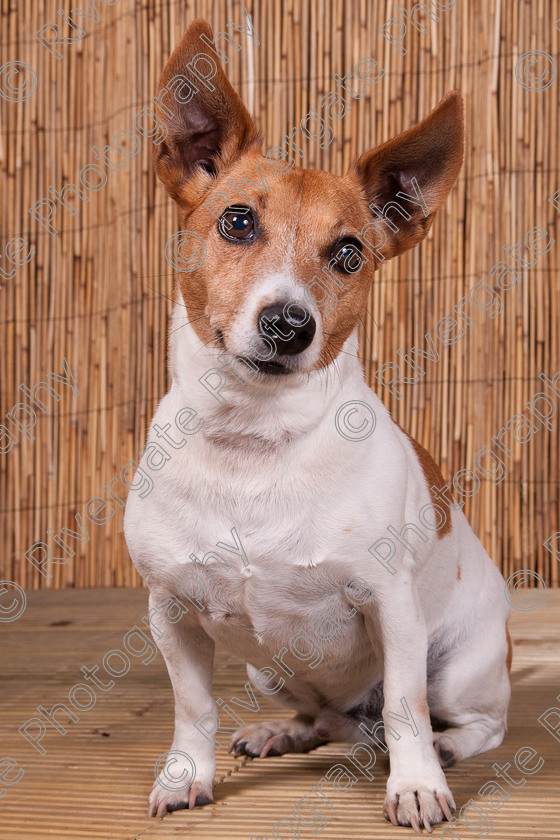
(207, 124)
(407, 179)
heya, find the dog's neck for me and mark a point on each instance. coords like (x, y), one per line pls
(263, 414)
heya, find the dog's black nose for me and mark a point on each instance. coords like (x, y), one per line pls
(290, 326)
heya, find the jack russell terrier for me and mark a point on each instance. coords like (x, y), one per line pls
(270, 465)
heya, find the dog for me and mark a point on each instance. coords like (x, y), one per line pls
(412, 640)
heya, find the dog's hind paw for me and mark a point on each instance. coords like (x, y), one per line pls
(446, 757)
(417, 806)
(162, 799)
(275, 737)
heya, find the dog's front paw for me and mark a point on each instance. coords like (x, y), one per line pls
(417, 803)
(177, 788)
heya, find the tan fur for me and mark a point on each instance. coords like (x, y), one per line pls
(510, 650)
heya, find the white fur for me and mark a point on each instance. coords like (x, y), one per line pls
(307, 504)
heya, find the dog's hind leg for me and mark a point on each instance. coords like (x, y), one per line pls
(470, 692)
(276, 737)
(316, 723)
(335, 725)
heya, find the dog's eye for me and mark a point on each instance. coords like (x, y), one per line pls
(237, 223)
(347, 255)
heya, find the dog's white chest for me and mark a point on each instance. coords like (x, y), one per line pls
(272, 563)
(266, 605)
(278, 507)
(276, 544)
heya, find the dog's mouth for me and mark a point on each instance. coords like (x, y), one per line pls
(270, 367)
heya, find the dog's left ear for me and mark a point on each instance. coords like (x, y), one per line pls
(407, 179)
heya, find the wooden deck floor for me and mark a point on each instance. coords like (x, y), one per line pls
(93, 782)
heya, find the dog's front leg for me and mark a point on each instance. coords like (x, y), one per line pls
(417, 791)
(188, 768)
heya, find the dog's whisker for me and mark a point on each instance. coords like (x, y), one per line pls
(172, 332)
(157, 291)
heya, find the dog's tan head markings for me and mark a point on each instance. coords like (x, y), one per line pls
(290, 252)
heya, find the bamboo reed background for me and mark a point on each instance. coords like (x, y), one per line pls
(98, 293)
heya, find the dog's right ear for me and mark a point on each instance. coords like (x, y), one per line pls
(207, 124)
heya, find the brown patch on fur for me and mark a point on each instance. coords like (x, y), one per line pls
(326, 202)
(458, 573)
(509, 657)
(432, 474)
